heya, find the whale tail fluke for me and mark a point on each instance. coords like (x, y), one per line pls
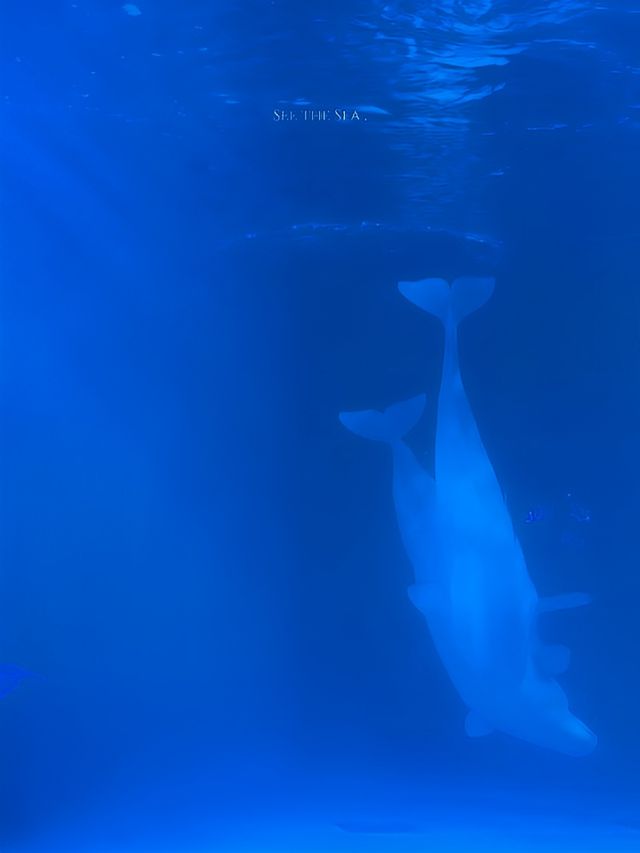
(434, 295)
(391, 425)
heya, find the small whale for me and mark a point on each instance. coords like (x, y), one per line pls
(471, 581)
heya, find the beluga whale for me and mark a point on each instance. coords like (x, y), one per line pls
(471, 580)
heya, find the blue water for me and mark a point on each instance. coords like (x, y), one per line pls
(205, 636)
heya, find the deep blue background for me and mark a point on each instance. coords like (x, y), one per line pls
(199, 563)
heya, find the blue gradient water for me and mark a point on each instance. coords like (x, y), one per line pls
(202, 575)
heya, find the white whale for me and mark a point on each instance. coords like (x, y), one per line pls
(471, 581)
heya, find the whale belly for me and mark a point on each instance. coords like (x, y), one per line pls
(482, 626)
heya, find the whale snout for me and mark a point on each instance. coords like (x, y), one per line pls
(579, 740)
(556, 729)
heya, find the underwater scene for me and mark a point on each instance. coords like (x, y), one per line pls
(320, 368)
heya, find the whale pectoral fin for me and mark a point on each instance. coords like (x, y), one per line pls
(476, 726)
(424, 597)
(553, 660)
(563, 602)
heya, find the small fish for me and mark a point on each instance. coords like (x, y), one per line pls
(577, 511)
(10, 678)
(535, 514)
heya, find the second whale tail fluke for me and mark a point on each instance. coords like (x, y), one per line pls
(391, 425)
(434, 296)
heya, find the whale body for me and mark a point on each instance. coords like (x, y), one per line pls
(471, 580)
